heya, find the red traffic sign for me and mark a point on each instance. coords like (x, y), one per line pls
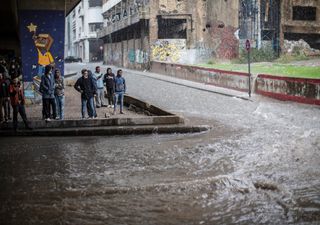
(248, 46)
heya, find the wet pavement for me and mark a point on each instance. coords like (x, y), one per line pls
(260, 164)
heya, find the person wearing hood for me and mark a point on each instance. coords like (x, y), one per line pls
(47, 86)
(17, 103)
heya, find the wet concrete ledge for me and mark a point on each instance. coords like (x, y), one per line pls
(62, 124)
(108, 131)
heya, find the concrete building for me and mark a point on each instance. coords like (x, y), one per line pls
(267, 23)
(82, 25)
(137, 32)
(301, 20)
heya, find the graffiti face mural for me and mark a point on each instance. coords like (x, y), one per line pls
(42, 44)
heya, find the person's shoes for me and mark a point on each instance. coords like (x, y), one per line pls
(121, 112)
(112, 106)
(114, 113)
(57, 118)
(97, 106)
(48, 120)
(104, 106)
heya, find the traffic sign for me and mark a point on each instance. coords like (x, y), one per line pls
(248, 46)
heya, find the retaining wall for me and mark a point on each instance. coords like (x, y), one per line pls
(289, 89)
(282, 88)
(228, 79)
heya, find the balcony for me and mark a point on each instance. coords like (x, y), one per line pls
(138, 13)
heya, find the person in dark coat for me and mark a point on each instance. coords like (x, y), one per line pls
(17, 102)
(108, 79)
(86, 86)
(4, 98)
(47, 86)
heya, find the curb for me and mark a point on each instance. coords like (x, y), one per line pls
(109, 131)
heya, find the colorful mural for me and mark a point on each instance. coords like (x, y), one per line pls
(42, 43)
(168, 50)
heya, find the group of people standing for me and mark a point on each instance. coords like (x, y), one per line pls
(92, 87)
(52, 90)
(11, 93)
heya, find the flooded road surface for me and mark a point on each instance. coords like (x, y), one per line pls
(205, 178)
(260, 164)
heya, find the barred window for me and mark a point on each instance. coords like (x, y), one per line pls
(95, 3)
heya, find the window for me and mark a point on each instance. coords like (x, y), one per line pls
(93, 27)
(172, 28)
(95, 3)
(304, 13)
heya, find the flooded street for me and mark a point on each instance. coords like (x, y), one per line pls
(260, 164)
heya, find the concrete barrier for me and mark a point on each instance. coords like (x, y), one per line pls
(289, 89)
(221, 78)
(282, 88)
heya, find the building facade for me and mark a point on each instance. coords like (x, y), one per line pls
(180, 31)
(301, 20)
(137, 32)
(267, 23)
(82, 25)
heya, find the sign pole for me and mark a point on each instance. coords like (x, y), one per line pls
(248, 48)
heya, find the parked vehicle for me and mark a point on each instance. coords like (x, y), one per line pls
(71, 59)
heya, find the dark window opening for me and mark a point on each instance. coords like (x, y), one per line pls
(304, 13)
(172, 28)
(95, 3)
(312, 39)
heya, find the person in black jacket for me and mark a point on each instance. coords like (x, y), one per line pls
(108, 79)
(86, 86)
(4, 99)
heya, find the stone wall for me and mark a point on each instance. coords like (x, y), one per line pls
(228, 79)
(281, 88)
(289, 89)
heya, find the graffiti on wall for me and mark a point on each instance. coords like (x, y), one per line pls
(138, 56)
(168, 50)
(42, 43)
(132, 56)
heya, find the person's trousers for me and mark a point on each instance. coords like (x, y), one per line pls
(21, 110)
(1, 108)
(87, 103)
(60, 107)
(110, 95)
(50, 103)
(118, 95)
(100, 97)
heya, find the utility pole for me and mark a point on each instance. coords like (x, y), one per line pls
(248, 48)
